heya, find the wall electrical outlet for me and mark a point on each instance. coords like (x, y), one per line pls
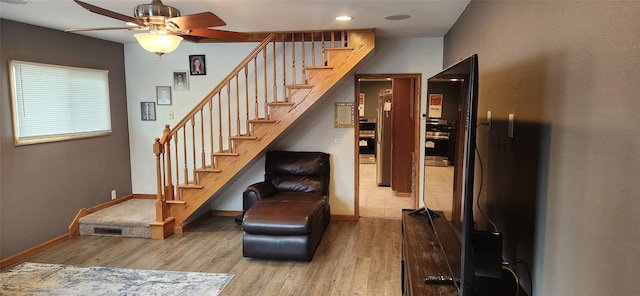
(113, 194)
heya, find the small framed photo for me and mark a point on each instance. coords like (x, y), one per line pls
(163, 94)
(180, 82)
(148, 111)
(197, 65)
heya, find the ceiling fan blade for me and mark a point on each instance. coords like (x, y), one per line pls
(201, 20)
(108, 13)
(219, 34)
(105, 28)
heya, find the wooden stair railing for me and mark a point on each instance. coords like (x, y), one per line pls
(262, 96)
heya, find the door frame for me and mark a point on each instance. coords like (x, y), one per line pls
(417, 150)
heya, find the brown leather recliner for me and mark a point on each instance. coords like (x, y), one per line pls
(287, 214)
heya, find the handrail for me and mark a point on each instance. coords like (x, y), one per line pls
(224, 115)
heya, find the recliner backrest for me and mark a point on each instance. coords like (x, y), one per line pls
(298, 171)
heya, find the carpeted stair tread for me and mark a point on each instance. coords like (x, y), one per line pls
(128, 219)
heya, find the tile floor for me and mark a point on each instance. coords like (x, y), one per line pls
(381, 202)
(439, 189)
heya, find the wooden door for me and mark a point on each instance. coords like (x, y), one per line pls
(402, 136)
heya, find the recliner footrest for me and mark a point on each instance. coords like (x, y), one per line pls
(282, 217)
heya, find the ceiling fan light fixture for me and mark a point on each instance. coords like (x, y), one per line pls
(158, 43)
(155, 9)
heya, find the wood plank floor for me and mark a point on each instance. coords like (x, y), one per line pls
(354, 258)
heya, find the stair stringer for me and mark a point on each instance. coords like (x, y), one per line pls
(343, 63)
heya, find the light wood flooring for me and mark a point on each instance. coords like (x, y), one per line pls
(353, 258)
(381, 202)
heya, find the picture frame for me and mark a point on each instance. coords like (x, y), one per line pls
(163, 95)
(197, 64)
(344, 115)
(435, 105)
(180, 81)
(147, 111)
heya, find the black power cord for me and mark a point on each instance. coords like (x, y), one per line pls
(515, 278)
(495, 228)
(526, 267)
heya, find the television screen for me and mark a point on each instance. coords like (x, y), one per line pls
(480, 252)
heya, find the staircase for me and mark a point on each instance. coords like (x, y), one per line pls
(238, 120)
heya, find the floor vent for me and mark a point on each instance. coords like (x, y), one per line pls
(107, 231)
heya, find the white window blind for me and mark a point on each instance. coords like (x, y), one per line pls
(56, 103)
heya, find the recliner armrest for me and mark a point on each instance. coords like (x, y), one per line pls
(256, 192)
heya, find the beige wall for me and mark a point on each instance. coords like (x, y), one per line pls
(43, 186)
(565, 190)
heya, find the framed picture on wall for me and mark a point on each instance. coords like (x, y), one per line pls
(180, 81)
(343, 115)
(163, 94)
(197, 65)
(147, 111)
(435, 105)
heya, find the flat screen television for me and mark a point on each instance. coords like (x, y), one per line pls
(480, 254)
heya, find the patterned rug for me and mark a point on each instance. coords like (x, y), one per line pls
(52, 279)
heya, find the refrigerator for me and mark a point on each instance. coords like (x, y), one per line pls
(383, 139)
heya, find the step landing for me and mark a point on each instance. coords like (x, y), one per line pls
(127, 219)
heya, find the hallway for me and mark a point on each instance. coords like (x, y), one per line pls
(380, 202)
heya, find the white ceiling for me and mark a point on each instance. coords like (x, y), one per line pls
(429, 18)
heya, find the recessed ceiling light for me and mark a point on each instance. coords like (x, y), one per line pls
(15, 1)
(343, 18)
(397, 17)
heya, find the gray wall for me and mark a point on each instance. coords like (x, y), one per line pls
(565, 189)
(43, 186)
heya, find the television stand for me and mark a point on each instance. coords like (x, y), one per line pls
(424, 211)
(421, 256)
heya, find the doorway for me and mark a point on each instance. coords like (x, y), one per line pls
(391, 101)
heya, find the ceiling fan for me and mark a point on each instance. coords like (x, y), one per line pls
(165, 25)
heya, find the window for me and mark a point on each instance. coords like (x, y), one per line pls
(56, 103)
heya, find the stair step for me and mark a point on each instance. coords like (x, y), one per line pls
(280, 104)
(299, 86)
(339, 48)
(178, 202)
(189, 186)
(241, 137)
(225, 154)
(208, 170)
(318, 68)
(130, 218)
(260, 121)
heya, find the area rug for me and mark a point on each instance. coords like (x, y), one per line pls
(53, 279)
